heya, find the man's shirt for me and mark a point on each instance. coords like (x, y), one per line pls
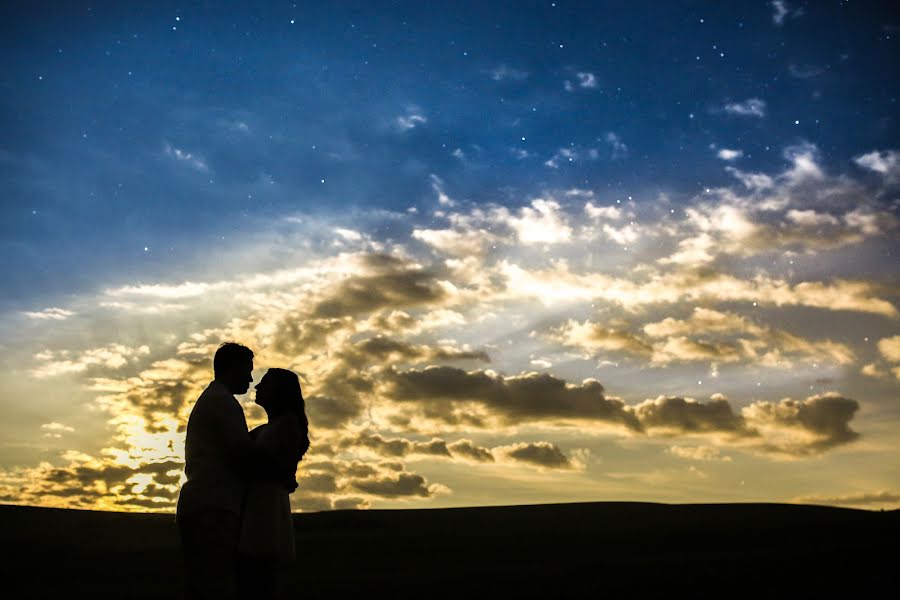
(216, 424)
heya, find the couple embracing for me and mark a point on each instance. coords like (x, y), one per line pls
(234, 512)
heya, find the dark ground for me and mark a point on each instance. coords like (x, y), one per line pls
(608, 550)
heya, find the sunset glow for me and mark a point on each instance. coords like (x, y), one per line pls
(562, 253)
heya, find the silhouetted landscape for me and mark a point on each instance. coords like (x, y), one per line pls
(607, 549)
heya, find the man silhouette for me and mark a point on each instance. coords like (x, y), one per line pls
(219, 459)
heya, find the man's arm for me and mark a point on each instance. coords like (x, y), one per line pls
(248, 458)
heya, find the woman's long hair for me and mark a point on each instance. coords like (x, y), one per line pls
(290, 398)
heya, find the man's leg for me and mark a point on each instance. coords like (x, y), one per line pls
(209, 542)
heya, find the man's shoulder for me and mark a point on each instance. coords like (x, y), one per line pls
(215, 398)
(216, 389)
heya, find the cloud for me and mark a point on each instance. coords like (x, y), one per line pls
(401, 447)
(55, 430)
(558, 283)
(397, 447)
(444, 392)
(684, 415)
(386, 338)
(739, 339)
(542, 454)
(703, 320)
(790, 428)
(470, 450)
(699, 453)
(63, 362)
(437, 185)
(334, 483)
(787, 427)
(818, 423)
(541, 223)
(867, 499)
(780, 10)
(348, 234)
(397, 485)
(384, 350)
(805, 71)
(890, 348)
(545, 455)
(597, 338)
(390, 283)
(776, 215)
(587, 80)
(562, 155)
(411, 120)
(50, 314)
(504, 72)
(613, 213)
(619, 149)
(457, 241)
(752, 107)
(886, 163)
(56, 427)
(183, 156)
(726, 154)
(92, 482)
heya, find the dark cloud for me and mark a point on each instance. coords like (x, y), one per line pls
(393, 486)
(542, 454)
(329, 412)
(391, 283)
(85, 484)
(307, 503)
(515, 399)
(350, 503)
(328, 484)
(826, 416)
(298, 333)
(339, 396)
(83, 476)
(398, 447)
(468, 449)
(401, 447)
(688, 416)
(316, 482)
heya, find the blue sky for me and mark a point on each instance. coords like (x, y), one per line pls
(268, 101)
(518, 252)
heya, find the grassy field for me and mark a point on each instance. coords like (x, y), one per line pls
(609, 550)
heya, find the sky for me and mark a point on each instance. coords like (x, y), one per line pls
(517, 252)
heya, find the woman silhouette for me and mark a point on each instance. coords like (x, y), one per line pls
(267, 529)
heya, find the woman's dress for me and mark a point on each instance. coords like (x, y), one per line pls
(267, 528)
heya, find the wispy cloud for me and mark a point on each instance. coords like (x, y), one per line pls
(781, 11)
(410, 120)
(752, 107)
(727, 154)
(886, 163)
(619, 149)
(52, 314)
(504, 72)
(186, 157)
(587, 80)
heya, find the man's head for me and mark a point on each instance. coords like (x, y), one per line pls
(233, 366)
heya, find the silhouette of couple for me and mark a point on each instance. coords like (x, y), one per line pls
(234, 512)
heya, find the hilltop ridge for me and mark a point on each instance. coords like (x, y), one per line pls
(620, 549)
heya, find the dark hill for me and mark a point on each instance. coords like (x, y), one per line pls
(606, 550)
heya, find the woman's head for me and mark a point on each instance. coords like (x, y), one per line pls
(279, 392)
